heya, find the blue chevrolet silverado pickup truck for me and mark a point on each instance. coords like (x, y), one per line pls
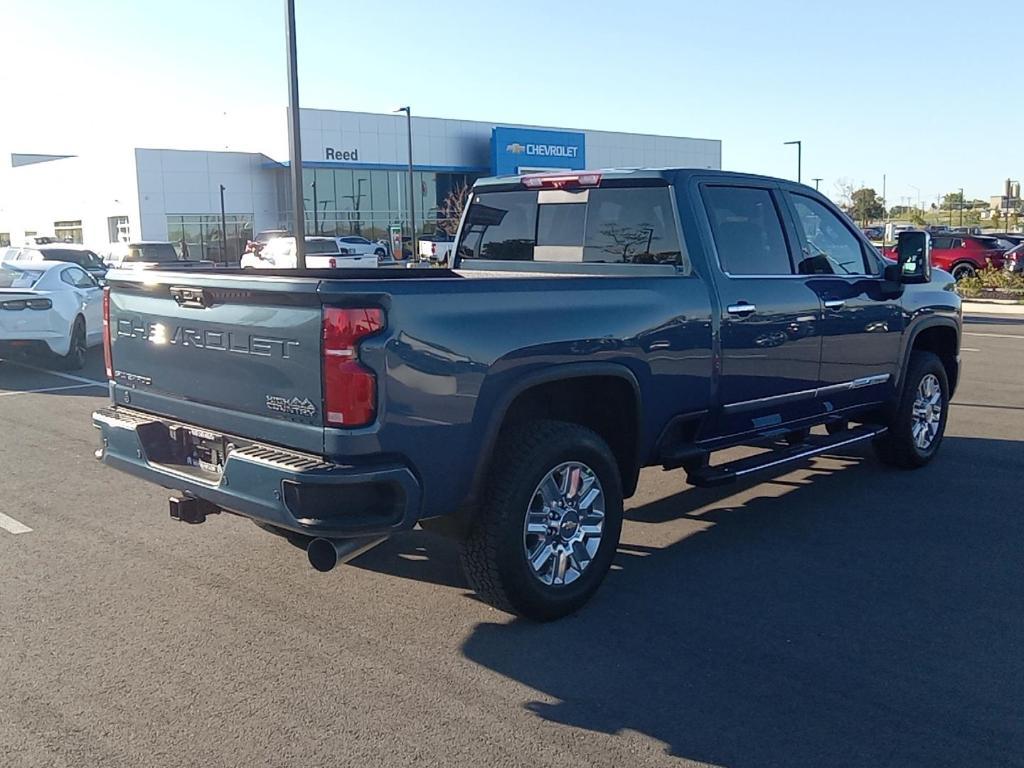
(591, 324)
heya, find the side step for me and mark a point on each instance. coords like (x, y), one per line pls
(707, 477)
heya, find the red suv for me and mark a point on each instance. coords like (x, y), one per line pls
(962, 255)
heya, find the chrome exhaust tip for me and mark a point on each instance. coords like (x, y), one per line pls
(325, 554)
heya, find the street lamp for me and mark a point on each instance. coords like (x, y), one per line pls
(817, 181)
(223, 227)
(412, 205)
(799, 157)
(294, 144)
(356, 199)
(961, 206)
(316, 221)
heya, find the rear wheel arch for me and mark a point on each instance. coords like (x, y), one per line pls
(602, 397)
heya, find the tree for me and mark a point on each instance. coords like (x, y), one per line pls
(996, 216)
(844, 194)
(449, 213)
(866, 205)
(917, 218)
(952, 200)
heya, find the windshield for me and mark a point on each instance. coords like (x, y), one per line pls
(16, 277)
(158, 252)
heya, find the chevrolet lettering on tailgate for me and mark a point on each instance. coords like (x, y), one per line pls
(206, 338)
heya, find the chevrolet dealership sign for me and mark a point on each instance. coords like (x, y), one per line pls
(513, 149)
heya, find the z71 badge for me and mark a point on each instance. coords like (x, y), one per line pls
(293, 405)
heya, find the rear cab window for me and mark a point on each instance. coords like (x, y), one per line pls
(597, 225)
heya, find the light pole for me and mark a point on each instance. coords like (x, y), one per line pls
(223, 227)
(916, 189)
(817, 181)
(885, 207)
(294, 144)
(316, 209)
(412, 204)
(356, 199)
(961, 206)
(799, 158)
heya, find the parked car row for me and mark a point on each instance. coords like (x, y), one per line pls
(72, 254)
(964, 256)
(53, 307)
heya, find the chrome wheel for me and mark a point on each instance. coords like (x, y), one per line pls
(927, 413)
(564, 523)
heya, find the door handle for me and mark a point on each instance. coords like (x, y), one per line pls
(742, 310)
(835, 303)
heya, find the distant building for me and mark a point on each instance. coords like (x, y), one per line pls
(355, 179)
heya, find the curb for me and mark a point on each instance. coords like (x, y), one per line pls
(985, 308)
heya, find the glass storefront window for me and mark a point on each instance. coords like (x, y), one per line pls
(366, 202)
(68, 231)
(198, 236)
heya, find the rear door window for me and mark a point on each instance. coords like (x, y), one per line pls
(747, 231)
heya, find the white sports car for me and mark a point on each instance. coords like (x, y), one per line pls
(50, 306)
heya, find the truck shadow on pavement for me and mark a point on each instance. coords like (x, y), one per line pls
(868, 617)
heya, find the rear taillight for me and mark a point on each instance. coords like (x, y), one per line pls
(107, 356)
(433, 249)
(350, 388)
(332, 262)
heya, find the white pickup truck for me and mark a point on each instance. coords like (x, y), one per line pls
(321, 253)
(436, 247)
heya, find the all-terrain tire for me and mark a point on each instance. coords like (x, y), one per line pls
(494, 554)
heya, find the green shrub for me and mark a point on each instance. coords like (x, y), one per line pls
(991, 279)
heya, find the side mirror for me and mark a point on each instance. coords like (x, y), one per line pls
(914, 256)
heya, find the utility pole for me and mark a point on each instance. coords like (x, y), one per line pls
(223, 228)
(294, 142)
(961, 206)
(799, 158)
(885, 207)
(412, 205)
(816, 183)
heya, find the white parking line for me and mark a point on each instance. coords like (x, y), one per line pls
(994, 335)
(45, 389)
(11, 525)
(969, 349)
(58, 374)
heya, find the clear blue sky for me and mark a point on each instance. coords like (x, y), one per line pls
(910, 88)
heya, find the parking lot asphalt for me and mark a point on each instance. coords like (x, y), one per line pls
(842, 614)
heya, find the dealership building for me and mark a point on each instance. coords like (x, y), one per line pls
(355, 179)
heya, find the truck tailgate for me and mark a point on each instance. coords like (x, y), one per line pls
(232, 352)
